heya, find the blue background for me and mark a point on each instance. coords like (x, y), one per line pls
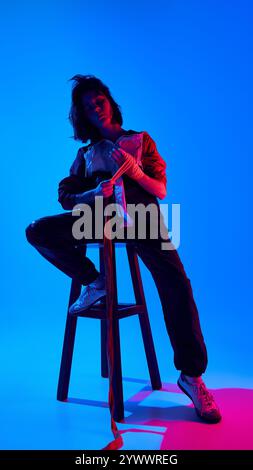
(182, 71)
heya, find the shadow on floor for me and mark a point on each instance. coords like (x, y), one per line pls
(166, 420)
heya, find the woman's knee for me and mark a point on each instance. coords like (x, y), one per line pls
(37, 231)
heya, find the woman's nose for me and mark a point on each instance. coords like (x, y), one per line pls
(97, 109)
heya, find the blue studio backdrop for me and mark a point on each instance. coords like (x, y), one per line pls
(181, 71)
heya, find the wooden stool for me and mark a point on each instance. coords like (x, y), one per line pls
(120, 310)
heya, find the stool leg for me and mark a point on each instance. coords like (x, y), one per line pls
(68, 345)
(117, 375)
(144, 319)
(150, 351)
(111, 306)
(103, 327)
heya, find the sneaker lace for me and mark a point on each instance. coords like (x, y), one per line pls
(89, 289)
(205, 396)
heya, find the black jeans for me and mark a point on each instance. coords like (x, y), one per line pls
(52, 237)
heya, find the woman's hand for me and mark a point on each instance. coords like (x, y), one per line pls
(118, 156)
(133, 170)
(152, 185)
(104, 188)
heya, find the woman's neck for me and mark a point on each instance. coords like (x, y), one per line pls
(112, 133)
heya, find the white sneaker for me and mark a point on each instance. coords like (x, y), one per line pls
(89, 296)
(203, 400)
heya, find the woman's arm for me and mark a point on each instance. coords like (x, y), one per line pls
(152, 185)
(78, 189)
(75, 188)
(153, 176)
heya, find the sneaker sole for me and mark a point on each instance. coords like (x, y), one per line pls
(76, 312)
(207, 420)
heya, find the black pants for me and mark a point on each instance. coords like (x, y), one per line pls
(52, 237)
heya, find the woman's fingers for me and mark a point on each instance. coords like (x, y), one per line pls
(107, 188)
(117, 155)
(106, 194)
(108, 184)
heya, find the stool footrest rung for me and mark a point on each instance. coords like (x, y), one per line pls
(121, 311)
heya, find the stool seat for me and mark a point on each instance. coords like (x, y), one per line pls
(119, 310)
(99, 243)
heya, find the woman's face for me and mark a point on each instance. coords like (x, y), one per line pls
(97, 109)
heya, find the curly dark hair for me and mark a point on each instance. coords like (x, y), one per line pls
(83, 130)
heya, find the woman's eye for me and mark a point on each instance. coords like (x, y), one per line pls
(99, 102)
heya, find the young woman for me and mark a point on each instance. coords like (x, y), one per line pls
(96, 117)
